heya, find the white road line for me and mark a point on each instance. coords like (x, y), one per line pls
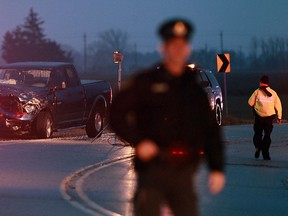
(85, 198)
(75, 182)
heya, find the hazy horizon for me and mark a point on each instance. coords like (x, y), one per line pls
(66, 21)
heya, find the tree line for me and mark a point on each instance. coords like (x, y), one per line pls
(28, 42)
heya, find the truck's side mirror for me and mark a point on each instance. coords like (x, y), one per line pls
(59, 87)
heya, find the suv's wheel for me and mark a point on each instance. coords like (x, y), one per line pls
(44, 125)
(218, 114)
(94, 125)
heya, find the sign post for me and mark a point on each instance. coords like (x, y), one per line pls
(118, 58)
(223, 65)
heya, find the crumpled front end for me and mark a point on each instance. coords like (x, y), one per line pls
(17, 113)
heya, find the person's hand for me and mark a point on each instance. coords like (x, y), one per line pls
(217, 182)
(146, 150)
(279, 121)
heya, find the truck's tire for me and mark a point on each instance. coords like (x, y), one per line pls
(218, 114)
(44, 125)
(94, 125)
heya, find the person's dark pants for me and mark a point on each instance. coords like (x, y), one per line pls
(160, 185)
(263, 143)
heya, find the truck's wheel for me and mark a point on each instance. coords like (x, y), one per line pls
(44, 125)
(94, 125)
(218, 114)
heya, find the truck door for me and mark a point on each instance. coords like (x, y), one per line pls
(77, 95)
(69, 99)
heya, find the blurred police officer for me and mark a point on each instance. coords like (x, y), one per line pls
(165, 114)
(266, 105)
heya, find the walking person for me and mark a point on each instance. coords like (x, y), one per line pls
(266, 106)
(164, 113)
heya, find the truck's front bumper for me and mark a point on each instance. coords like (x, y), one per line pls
(15, 125)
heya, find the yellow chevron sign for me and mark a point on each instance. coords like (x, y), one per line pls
(223, 63)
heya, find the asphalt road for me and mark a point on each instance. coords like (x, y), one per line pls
(71, 175)
(32, 170)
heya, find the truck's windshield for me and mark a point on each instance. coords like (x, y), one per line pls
(29, 77)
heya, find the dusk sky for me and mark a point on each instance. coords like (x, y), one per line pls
(66, 21)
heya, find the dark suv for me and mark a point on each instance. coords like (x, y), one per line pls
(213, 90)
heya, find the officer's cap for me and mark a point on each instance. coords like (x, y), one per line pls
(176, 28)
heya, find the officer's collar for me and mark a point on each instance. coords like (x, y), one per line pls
(162, 69)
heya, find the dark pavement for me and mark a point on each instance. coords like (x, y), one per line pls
(254, 187)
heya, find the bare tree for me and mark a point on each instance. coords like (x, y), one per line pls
(113, 40)
(102, 50)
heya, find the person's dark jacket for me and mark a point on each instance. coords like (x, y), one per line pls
(172, 111)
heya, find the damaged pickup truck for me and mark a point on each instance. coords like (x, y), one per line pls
(42, 97)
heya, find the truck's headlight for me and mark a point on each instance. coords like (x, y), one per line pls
(29, 108)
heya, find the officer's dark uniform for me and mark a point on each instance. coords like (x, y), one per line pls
(173, 112)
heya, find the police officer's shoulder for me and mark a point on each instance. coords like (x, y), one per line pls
(272, 90)
(127, 83)
(191, 72)
(139, 78)
(191, 77)
(148, 73)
